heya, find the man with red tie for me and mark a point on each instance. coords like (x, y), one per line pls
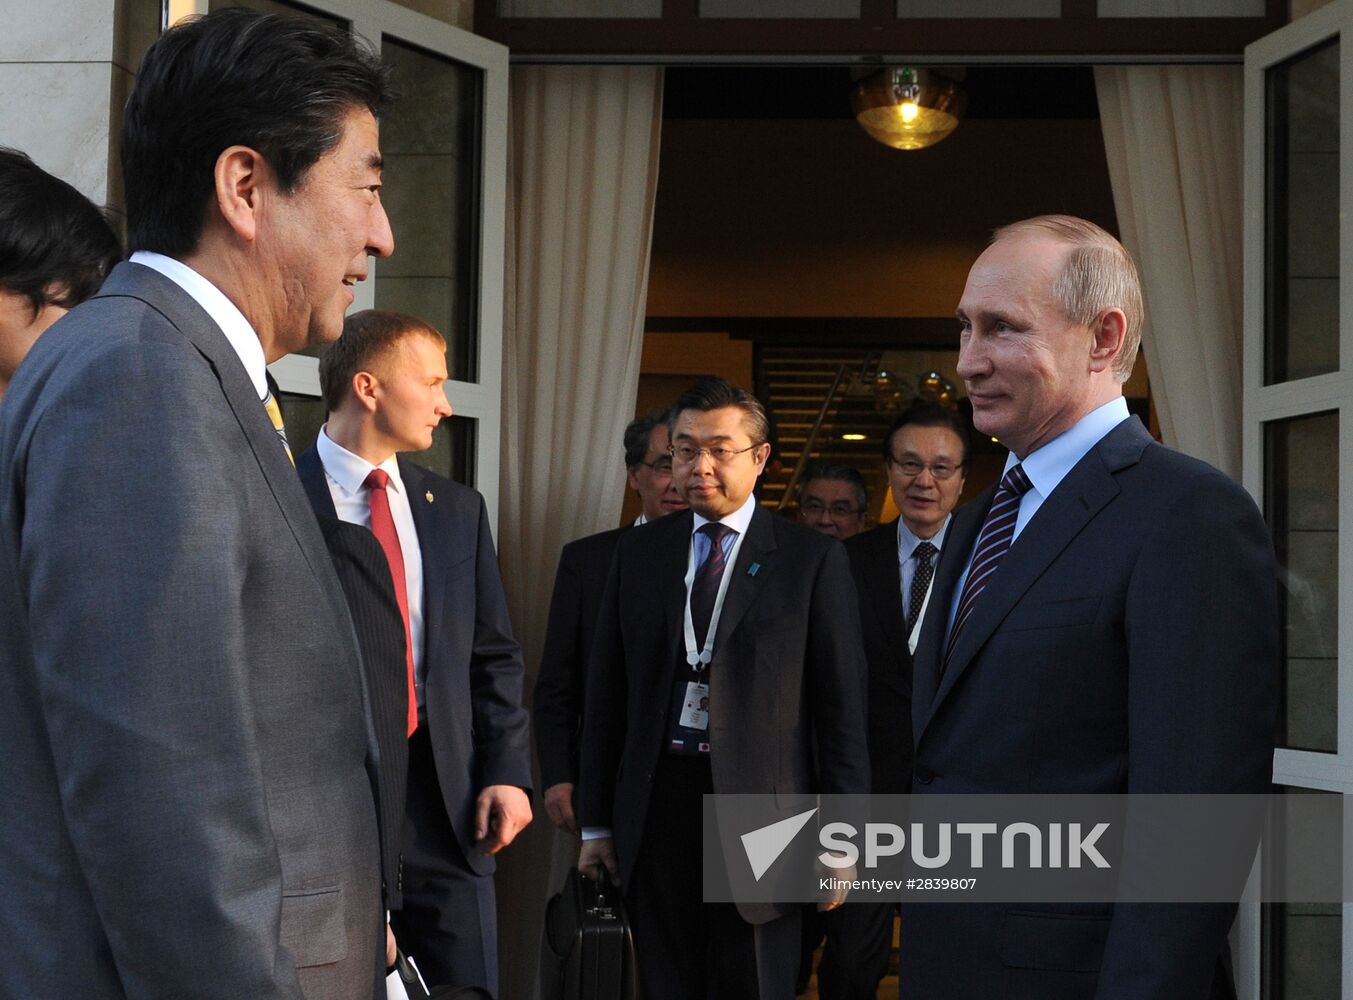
(469, 769)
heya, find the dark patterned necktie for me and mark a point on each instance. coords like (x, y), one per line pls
(993, 543)
(705, 587)
(920, 582)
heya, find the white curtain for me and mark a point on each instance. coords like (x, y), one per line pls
(1174, 138)
(584, 172)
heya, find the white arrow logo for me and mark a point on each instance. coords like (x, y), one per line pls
(765, 845)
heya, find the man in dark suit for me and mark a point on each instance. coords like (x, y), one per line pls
(583, 566)
(364, 575)
(834, 500)
(469, 767)
(757, 615)
(925, 452)
(1125, 641)
(181, 704)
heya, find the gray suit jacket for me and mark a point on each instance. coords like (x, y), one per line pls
(187, 801)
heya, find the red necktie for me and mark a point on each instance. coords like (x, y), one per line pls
(383, 527)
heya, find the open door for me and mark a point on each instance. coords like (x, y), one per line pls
(1298, 450)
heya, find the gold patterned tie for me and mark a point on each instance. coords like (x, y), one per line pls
(275, 415)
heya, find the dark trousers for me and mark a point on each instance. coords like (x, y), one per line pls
(448, 921)
(689, 949)
(859, 938)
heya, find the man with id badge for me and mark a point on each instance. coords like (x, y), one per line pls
(727, 660)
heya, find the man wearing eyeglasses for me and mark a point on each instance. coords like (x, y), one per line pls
(578, 584)
(834, 500)
(756, 614)
(925, 452)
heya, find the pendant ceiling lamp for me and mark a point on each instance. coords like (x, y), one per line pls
(907, 107)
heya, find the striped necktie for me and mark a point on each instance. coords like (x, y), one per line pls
(705, 586)
(275, 415)
(992, 544)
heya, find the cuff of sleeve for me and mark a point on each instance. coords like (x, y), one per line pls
(596, 832)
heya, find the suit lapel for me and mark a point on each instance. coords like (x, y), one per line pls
(311, 470)
(958, 545)
(1076, 501)
(745, 585)
(434, 542)
(675, 551)
(193, 322)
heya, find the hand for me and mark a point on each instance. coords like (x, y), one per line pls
(501, 812)
(389, 947)
(838, 893)
(559, 806)
(596, 854)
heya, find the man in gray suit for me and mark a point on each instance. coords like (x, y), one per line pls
(188, 806)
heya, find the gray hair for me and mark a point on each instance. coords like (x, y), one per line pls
(1098, 274)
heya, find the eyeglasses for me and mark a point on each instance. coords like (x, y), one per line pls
(688, 453)
(840, 509)
(911, 467)
(662, 467)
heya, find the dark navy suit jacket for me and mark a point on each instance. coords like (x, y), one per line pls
(557, 705)
(472, 665)
(787, 684)
(1127, 643)
(873, 563)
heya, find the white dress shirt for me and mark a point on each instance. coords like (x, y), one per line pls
(222, 311)
(1047, 467)
(345, 474)
(907, 563)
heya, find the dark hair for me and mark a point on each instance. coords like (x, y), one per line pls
(840, 472)
(714, 393)
(638, 432)
(928, 414)
(367, 336)
(55, 246)
(279, 85)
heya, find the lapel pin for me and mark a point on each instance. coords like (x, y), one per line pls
(428, 496)
(751, 570)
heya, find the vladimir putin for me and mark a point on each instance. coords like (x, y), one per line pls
(1104, 620)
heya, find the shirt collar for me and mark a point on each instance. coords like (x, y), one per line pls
(739, 520)
(907, 540)
(1050, 464)
(349, 471)
(223, 312)
(641, 519)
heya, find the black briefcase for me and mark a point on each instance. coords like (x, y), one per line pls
(587, 950)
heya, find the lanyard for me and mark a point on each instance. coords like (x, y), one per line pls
(700, 659)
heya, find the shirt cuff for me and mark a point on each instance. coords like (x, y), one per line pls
(596, 832)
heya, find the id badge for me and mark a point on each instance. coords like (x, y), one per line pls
(695, 709)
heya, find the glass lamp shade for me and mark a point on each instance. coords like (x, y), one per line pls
(908, 108)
